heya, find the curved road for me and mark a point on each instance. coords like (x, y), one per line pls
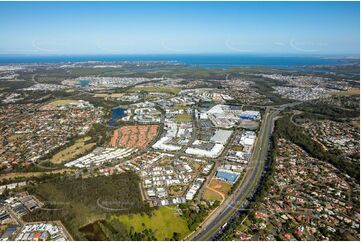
(238, 200)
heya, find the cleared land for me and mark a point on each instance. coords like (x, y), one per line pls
(112, 95)
(183, 118)
(210, 195)
(356, 123)
(177, 190)
(172, 90)
(351, 92)
(217, 190)
(134, 136)
(61, 102)
(220, 186)
(16, 137)
(164, 222)
(80, 147)
(180, 105)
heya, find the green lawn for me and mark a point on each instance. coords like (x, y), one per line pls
(164, 222)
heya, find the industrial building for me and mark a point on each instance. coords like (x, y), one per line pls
(250, 115)
(227, 175)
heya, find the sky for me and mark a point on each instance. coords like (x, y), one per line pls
(180, 28)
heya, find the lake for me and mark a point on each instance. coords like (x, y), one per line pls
(117, 113)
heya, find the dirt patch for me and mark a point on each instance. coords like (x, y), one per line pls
(111, 95)
(210, 195)
(220, 186)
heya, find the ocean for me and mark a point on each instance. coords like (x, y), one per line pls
(204, 61)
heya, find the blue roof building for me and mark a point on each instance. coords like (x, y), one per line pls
(249, 115)
(227, 176)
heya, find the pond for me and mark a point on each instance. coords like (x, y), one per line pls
(117, 113)
(84, 83)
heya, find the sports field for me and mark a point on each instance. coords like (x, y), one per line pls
(164, 222)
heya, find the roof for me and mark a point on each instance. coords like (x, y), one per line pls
(218, 109)
(221, 136)
(227, 176)
(37, 235)
(214, 152)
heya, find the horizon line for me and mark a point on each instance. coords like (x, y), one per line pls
(183, 54)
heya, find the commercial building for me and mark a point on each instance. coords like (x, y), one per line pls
(227, 175)
(250, 115)
(221, 136)
(213, 153)
(194, 188)
(217, 142)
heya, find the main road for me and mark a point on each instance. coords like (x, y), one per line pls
(238, 200)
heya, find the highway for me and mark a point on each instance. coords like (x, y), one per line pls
(247, 187)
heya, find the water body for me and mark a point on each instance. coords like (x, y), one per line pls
(205, 61)
(84, 83)
(117, 113)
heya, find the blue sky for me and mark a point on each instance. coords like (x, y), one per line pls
(179, 27)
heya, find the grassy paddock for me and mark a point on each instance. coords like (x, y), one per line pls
(172, 90)
(210, 195)
(183, 118)
(14, 175)
(73, 151)
(61, 102)
(164, 222)
(351, 92)
(356, 123)
(112, 95)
